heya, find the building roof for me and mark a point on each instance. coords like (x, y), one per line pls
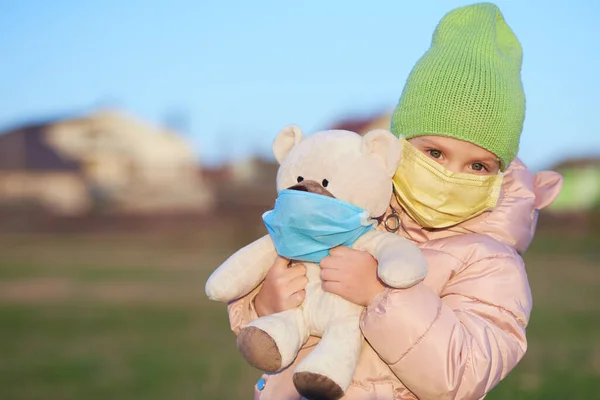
(26, 149)
(578, 163)
(41, 145)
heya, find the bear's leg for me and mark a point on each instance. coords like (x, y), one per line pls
(327, 371)
(272, 342)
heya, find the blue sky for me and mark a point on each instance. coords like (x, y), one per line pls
(241, 70)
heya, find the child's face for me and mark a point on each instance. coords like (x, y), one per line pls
(458, 155)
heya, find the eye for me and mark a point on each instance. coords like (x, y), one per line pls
(299, 179)
(478, 167)
(434, 153)
(325, 182)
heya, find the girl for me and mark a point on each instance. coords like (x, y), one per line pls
(472, 208)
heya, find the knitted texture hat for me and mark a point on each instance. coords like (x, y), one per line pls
(468, 84)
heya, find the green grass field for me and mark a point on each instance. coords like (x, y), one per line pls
(123, 317)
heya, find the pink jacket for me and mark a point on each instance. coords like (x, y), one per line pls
(462, 330)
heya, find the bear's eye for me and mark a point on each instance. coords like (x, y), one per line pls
(300, 179)
(325, 182)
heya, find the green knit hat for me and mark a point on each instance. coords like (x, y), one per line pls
(468, 84)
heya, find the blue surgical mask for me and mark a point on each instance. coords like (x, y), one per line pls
(304, 226)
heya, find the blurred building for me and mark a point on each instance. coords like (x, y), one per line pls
(107, 159)
(362, 125)
(249, 185)
(244, 185)
(581, 188)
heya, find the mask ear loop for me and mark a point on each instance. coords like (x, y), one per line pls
(392, 221)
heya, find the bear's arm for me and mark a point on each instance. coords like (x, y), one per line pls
(242, 272)
(401, 263)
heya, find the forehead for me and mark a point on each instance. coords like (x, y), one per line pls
(454, 146)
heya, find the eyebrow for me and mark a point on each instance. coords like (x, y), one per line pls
(432, 143)
(489, 159)
(429, 141)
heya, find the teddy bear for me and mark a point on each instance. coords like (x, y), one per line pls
(332, 187)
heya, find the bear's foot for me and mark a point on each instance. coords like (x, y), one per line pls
(315, 386)
(259, 349)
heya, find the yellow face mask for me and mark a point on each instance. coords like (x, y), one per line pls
(437, 198)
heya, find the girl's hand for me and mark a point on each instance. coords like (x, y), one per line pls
(283, 288)
(351, 274)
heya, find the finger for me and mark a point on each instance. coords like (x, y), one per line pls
(330, 275)
(297, 284)
(341, 251)
(329, 262)
(296, 270)
(332, 262)
(297, 298)
(281, 263)
(279, 268)
(285, 277)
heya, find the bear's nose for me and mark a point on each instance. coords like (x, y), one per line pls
(312, 187)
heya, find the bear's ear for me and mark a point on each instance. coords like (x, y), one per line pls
(547, 186)
(285, 140)
(385, 147)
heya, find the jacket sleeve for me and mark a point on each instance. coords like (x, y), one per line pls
(458, 344)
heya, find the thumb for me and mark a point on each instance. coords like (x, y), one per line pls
(299, 297)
